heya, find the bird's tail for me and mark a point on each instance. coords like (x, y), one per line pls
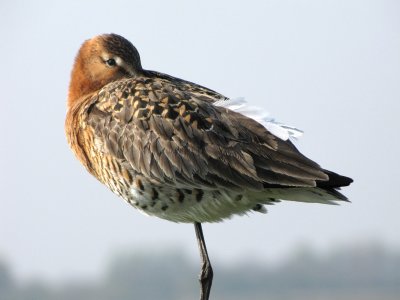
(325, 192)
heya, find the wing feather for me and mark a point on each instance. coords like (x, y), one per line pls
(170, 131)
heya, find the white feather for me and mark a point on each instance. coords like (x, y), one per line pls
(240, 105)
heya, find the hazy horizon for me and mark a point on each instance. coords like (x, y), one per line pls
(363, 272)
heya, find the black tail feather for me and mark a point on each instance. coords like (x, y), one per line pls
(335, 181)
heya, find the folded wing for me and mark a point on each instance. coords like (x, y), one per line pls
(172, 132)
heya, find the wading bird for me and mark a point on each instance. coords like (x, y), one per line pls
(180, 151)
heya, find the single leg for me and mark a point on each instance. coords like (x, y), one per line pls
(206, 275)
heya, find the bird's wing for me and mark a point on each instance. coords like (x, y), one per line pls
(258, 114)
(171, 132)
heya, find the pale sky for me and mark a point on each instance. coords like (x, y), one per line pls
(331, 68)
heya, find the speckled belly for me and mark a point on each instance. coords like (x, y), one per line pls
(177, 204)
(186, 205)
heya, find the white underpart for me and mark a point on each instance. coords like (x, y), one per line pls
(240, 105)
(224, 206)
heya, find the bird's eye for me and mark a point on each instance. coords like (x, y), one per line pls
(111, 62)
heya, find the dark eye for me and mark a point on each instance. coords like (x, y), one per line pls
(111, 62)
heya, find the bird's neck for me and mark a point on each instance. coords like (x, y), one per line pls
(80, 85)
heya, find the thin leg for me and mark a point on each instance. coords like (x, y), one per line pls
(206, 275)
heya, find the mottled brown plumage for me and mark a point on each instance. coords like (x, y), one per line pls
(171, 150)
(149, 137)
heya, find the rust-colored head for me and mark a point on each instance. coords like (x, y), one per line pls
(101, 60)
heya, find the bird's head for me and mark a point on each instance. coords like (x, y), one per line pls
(101, 60)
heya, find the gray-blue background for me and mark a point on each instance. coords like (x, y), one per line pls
(331, 68)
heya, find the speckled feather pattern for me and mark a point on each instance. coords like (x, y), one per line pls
(160, 143)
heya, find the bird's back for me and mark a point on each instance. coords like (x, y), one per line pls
(161, 144)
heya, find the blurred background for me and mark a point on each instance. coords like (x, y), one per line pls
(331, 68)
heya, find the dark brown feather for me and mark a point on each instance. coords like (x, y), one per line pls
(169, 129)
